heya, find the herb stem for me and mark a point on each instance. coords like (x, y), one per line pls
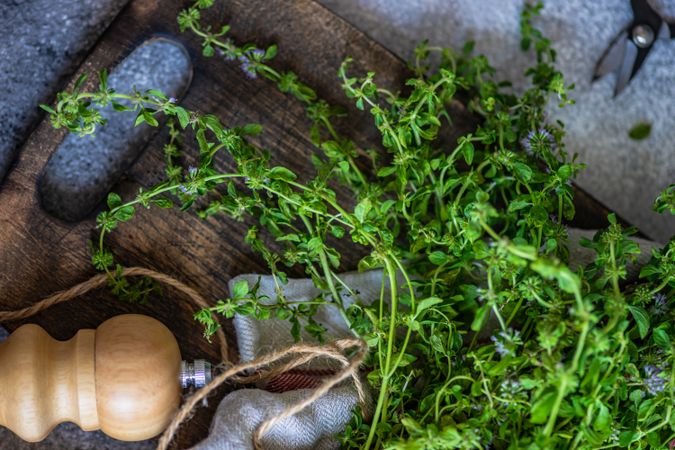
(386, 371)
(615, 279)
(556, 406)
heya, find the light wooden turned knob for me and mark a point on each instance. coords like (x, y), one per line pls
(122, 378)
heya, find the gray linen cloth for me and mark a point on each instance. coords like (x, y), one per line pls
(240, 412)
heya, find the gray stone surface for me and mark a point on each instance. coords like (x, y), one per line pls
(40, 42)
(625, 175)
(84, 168)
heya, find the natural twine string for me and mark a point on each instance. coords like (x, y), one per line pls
(294, 356)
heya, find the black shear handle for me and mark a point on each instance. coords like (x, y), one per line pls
(643, 14)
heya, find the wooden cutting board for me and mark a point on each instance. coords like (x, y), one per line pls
(40, 254)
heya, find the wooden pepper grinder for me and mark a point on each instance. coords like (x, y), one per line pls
(123, 378)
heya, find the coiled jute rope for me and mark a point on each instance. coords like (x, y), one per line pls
(268, 366)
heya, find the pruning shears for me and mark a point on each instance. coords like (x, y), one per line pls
(629, 49)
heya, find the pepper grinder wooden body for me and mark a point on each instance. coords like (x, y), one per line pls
(122, 378)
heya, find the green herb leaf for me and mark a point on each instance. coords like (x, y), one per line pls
(603, 419)
(362, 209)
(125, 213)
(661, 337)
(282, 173)
(240, 289)
(438, 258)
(162, 202)
(428, 303)
(467, 151)
(641, 318)
(640, 131)
(480, 317)
(183, 116)
(114, 200)
(541, 408)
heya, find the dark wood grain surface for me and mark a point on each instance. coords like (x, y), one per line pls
(40, 254)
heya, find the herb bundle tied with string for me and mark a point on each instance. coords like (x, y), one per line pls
(488, 338)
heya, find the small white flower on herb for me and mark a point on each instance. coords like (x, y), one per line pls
(660, 306)
(192, 171)
(509, 390)
(228, 55)
(654, 382)
(613, 437)
(248, 61)
(247, 67)
(183, 189)
(537, 140)
(500, 347)
(173, 100)
(510, 386)
(506, 341)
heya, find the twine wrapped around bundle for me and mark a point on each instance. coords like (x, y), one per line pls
(288, 358)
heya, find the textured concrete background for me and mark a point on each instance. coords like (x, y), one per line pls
(41, 41)
(624, 174)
